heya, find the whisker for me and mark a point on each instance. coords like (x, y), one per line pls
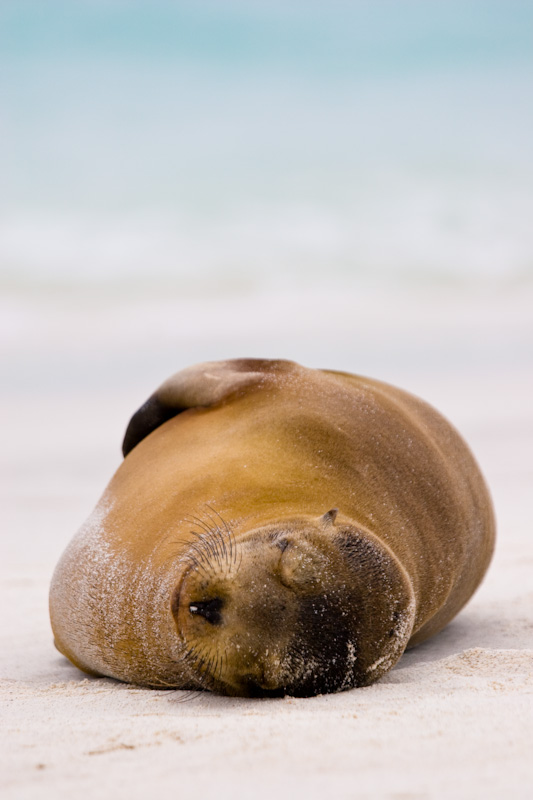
(196, 547)
(219, 532)
(191, 694)
(229, 532)
(206, 536)
(197, 521)
(214, 541)
(206, 544)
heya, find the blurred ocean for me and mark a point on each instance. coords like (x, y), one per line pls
(236, 146)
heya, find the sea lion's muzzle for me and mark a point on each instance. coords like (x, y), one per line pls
(235, 619)
(287, 614)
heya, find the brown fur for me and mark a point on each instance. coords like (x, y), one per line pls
(229, 470)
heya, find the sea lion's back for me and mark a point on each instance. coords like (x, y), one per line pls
(468, 534)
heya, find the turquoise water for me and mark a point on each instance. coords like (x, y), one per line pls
(251, 143)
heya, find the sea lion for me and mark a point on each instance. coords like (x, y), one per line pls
(273, 530)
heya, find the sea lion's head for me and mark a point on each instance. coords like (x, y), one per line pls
(300, 607)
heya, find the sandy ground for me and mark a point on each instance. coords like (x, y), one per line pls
(453, 719)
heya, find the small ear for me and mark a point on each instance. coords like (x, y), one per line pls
(200, 386)
(329, 517)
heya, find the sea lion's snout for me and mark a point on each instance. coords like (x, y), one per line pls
(234, 617)
(287, 614)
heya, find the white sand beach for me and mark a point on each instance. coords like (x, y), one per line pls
(454, 718)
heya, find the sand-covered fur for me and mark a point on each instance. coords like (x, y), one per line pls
(208, 563)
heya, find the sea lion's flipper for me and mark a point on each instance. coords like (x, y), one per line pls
(202, 385)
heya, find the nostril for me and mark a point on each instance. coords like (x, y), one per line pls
(210, 610)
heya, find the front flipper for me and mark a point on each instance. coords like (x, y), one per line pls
(202, 385)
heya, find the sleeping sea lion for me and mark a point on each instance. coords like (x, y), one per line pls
(273, 530)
